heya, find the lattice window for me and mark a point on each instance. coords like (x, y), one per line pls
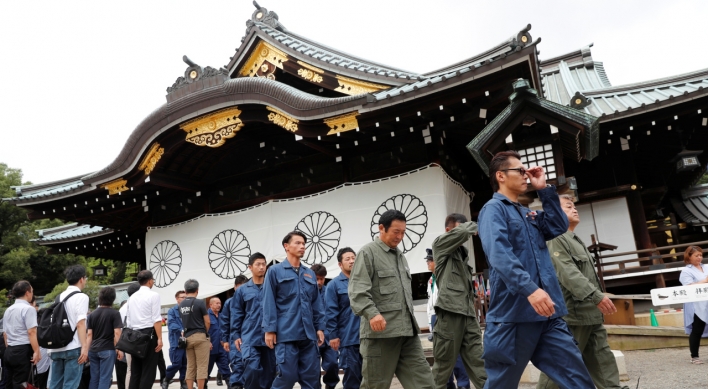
(540, 156)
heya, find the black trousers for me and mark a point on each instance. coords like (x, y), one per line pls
(142, 370)
(694, 340)
(121, 371)
(18, 365)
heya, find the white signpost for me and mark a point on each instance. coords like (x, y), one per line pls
(679, 294)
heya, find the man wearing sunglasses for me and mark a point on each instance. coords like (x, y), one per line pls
(524, 321)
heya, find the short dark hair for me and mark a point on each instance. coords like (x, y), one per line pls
(389, 216)
(106, 296)
(144, 276)
(293, 233)
(179, 292)
(255, 256)
(240, 280)
(455, 218)
(21, 288)
(191, 285)
(132, 288)
(500, 162)
(319, 270)
(74, 274)
(343, 251)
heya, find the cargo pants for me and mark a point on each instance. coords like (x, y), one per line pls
(455, 334)
(402, 356)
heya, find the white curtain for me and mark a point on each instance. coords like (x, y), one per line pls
(214, 248)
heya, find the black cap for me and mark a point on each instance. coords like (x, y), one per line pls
(429, 254)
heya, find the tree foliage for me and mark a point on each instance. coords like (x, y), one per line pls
(20, 258)
(91, 289)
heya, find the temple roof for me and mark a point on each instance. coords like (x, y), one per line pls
(575, 79)
(692, 207)
(70, 232)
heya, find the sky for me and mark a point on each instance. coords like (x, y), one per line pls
(81, 75)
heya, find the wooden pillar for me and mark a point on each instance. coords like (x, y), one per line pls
(639, 220)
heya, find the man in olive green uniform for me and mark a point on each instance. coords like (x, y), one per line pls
(380, 292)
(456, 330)
(585, 301)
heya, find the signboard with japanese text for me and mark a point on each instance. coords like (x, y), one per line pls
(679, 294)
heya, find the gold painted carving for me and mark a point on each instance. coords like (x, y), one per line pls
(309, 72)
(342, 123)
(350, 86)
(115, 187)
(283, 120)
(264, 52)
(213, 129)
(151, 158)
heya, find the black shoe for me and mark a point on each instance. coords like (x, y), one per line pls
(183, 384)
(236, 386)
(219, 382)
(165, 383)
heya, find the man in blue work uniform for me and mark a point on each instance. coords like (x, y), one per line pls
(329, 356)
(524, 319)
(235, 361)
(217, 355)
(178, 357)
(247, 334)
(293, 317)
(342, 323)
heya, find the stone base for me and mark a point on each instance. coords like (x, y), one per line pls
(532, 374)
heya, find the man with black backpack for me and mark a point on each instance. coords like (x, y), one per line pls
(69, 316)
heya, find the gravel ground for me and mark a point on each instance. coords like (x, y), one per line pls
(655, 369)
(661, 369)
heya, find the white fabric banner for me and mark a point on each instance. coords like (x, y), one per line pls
(214, 248)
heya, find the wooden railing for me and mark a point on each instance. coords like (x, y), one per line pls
(656, 258)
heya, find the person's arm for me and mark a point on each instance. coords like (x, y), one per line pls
(174, 322)
(36, 355)
(116, 337)
(238, 312)
(81, 330)
(552, 220)
(270, 311)
(446, 244)
(4, 336)
(686, 278)
(157, 319)
(360, 298)
(318, 316)
(89, 337)
(331, 315)
(225, 324)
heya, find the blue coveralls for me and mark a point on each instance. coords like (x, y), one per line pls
(514, 241)
(342, 323)
(178, 357)
(329, 356)
(235, 361)
(246, 324)
(217, 354)
(293, 310)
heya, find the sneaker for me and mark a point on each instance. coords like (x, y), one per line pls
(696, 361)
(183, 384)
(219, 382)
(165, 383)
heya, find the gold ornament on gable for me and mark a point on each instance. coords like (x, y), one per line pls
(116, 186)
(213, 129)
(263, 61)
(151, 158)
(352, 87)
(342, 123)
(283, 120)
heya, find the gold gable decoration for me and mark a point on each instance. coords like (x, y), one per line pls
(283, 120)
(213, 129)
(352, 87)
(310, 73)
(342, 123)
(116, 186)
(263, 61)
(151, 158)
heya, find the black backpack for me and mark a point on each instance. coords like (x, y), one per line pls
(53, 329)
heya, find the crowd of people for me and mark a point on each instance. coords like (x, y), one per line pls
(285, 326)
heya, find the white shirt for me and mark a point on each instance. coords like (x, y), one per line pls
(76, 310)
(123, 311)
(143, 309)
(432, 298)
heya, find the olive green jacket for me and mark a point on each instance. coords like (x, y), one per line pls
(576, 273)
(452, 273)
(380, 283)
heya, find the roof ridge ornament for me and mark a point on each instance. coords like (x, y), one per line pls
(522, 38)
(262, 15)
(194, 73)
(522, 88)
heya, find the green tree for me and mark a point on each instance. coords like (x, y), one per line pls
(91, 289)
(3, 301)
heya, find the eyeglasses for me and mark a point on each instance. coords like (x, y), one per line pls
(521, 170)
